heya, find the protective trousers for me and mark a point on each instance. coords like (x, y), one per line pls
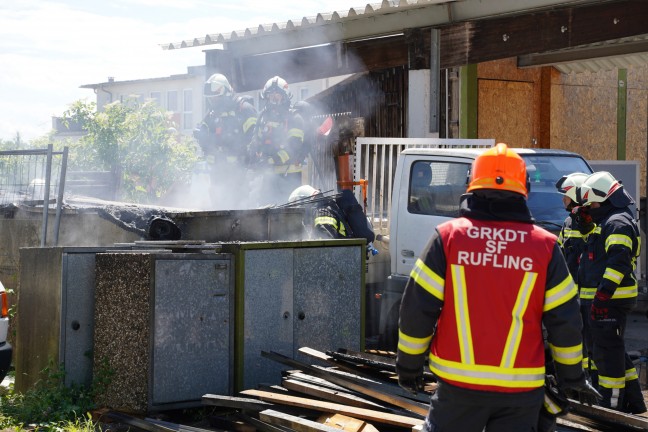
(611, 359)
(455, 409)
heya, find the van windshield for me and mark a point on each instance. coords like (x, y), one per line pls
(435, 187)
(544, 171)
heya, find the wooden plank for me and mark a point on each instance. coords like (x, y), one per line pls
(478, 41)
(175, 426)
(329, 395)
(620, 421)
(346, 423)
(261, 425)
(390, 393)
(373, 361)
(235, 402)
(293, 422)
(137, 423)
(363, 413)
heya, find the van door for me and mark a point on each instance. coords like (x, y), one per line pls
(429, 194)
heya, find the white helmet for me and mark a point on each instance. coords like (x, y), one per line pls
(276, 93)
(302, 192)
(218, 85)
(568, 185)
(598, 187)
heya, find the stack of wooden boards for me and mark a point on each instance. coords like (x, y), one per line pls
(350, 391)
(356, 391)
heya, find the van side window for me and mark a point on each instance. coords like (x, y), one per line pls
(435, 187)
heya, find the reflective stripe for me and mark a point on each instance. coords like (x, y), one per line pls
(247, 124)
(517, 325)
(631, 374)
(462, 316)
(625, 292)
(611, 382)
(551, 406)
(618, 239)
(560, 294)
(587, 293)
(412, 345)
(573, 234)
(328, 220)
(589, 364)
(619, 293)
(487, 375)
(426, 278)
(283, 155)
(284, 169)
(296, 133)
(613, 275)
(567, 355)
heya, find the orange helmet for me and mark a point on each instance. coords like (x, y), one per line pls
(499, 168)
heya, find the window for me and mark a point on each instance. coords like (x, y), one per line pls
(172, 100)
(157, 97)
(436, 187)
(303, 94)
(187, 109)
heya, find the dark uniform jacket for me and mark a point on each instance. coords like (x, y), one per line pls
(610, 257)
(572, 244)
(226, 131)
(279, 139)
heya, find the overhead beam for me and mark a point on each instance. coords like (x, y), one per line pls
(571, 55)
(251, 72)
(491, 39)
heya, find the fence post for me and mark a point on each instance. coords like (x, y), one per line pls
(48, 174)
(59, 198)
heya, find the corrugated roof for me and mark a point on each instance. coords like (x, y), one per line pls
(369, 20)
(323, 18)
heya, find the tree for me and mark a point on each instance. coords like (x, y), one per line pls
(135, 141)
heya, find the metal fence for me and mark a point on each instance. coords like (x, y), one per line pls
(34, 177)
(375, 161)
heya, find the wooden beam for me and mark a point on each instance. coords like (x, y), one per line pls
(491, 39)
(329, 395)
(363, 413)
(293, 422)
(245, 404)
(305, 64)
(572, 55)
(605, 416)
(368, 386)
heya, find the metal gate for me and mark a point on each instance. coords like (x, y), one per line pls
(375, 161)
(33, 177)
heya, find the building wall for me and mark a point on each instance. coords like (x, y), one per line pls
(584, 115)
(581, 110)
(181, 95)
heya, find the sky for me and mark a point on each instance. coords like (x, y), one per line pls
(49, 48)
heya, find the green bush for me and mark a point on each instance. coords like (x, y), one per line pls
(51, 405)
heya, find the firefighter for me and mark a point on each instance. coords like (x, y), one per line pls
(278, 143)
(226, 131)
(573, 245)
(476, 300)
(337, 216)
(608, 285)
(328, 220)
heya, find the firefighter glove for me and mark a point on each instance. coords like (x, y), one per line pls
(586, 393)
(582, 219)
(599, 309)
(410, 379)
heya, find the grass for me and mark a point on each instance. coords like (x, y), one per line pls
(50, 405)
